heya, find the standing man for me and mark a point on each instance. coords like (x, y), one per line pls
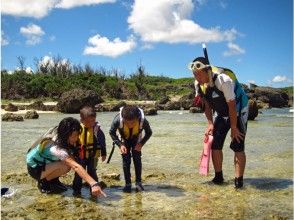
(223, 94)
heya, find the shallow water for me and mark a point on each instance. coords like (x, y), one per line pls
(173, 188)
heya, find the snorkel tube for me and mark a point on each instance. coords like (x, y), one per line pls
(209, 71)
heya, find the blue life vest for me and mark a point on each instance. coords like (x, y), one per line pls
(40, 155)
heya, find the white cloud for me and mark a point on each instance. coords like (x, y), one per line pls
(27, 8)
(4, 39)
(169, 21)
(29, 70)
(46, 61)
(234, 49)
(103, 46)
(147, 47)
(251, 81)
(33, 33)
(41, 8)
(66, 4)
(278, 79)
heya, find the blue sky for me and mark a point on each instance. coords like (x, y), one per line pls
(254, 38)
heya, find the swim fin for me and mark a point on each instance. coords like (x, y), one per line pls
(205, 156)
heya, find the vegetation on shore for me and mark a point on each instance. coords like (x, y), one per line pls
(55, 77)
(50, 83)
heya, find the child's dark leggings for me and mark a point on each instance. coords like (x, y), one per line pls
(90, 166)
(127, 164)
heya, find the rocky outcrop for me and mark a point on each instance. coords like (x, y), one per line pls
(109, 107)
(274, 97)
(74, 100)
(11, 117)
(31, 115)
(172, 105)
(187, 101)
(150, 111)
(195, 110)
(163, 100)
(38, 105)
(11, 108)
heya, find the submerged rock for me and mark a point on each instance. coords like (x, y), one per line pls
(31, 115)
(11, 108)
(195, 110)
(112, 176)
(150, 111)
(38, 105)
(11, 117)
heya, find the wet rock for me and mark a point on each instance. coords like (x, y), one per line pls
(111, 176)
(262, 105)
(187, 100)
(117, 106)
(163, 100)
(253, 110)
(38, 105)
(11, 108)
(21, 107)
(100, 108)
(172, 105)
(11, 117)
(31, 115)
(195, 110)
(274, 97)
(72, 101)
(150, 111)
(156, 176)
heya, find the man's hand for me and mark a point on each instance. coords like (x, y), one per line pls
(123, 149)
(236, 134)
(138, 147)
(209, 130)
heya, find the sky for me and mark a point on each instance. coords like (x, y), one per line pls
(254, 38)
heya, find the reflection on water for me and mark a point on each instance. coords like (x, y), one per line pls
(173, 189)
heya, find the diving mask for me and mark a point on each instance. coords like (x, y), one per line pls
(197, 66)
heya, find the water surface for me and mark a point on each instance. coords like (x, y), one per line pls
(173, 188)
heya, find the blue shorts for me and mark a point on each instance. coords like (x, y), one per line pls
(222, 126)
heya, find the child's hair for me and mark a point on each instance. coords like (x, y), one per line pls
(130, 112)
(65, 128)
(87, 111)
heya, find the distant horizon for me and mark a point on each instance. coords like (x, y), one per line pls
(252, 38)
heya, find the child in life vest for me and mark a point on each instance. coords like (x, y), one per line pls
(130, 123)
(92, 146)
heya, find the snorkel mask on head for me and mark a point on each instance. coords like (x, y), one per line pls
(202, 63)
(197, 65)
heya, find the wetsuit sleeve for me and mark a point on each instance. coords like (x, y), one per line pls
(114, 127)
(147, 130)
(101, 141)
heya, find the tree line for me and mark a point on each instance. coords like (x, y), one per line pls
(56, 76)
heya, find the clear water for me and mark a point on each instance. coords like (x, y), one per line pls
(173, 188)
